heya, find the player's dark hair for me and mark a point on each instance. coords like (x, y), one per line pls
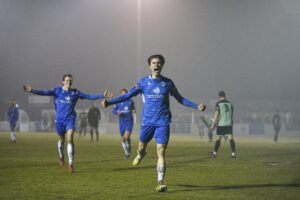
(160, 57)
(67, 75)
(124, 89)
(222, 93)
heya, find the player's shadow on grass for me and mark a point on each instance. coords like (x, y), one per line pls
(199, 160)
(194, 188)
(267, 155)
(131, 168)
(31, 165)
(98, 161)
(188, 187)
(176, 164)
(171, 165)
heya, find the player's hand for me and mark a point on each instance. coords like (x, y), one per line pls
(108, 94)
(27, 88)
(104, 103)
(202, 107)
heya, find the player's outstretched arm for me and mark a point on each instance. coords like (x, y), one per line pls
(133, 92)
(185, 101)
(106, 94)
(27, 88)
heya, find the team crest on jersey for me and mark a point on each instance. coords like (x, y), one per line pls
(126, 108)
(163, 84)
(149, 83)
(156, 90)
(68, 98)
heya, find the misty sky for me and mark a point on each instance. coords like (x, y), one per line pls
(249, 48)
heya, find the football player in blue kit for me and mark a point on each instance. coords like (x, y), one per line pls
(125, 110)
(65, 99)
(156, 116)
(13, 115)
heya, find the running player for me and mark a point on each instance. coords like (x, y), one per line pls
(124, 110)
(65, 99)
(156, 115)
(223, 120)
(13, 115)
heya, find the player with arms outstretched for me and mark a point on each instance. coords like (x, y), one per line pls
(125, 112)
(156, 115)
(65, 99)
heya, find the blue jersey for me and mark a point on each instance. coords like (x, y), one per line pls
(155, 95)
(125, 108)
(65, 101)
(13, 114)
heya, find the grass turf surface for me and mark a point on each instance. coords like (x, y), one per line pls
(29, 169)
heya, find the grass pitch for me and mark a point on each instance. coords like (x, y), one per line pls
(29, 169)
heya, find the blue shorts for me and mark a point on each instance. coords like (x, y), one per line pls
(125, 126)
(63, 127)
(12, 124)
(161, 134)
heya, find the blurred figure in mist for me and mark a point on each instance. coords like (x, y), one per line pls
(207, 122)
(82, 123)
(276, 121)
(13, 115)
(210, 135)
(94, 116)
(200, 130)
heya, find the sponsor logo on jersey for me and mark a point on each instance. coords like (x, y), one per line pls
(67, 100)
(125, 110)
(156, 94)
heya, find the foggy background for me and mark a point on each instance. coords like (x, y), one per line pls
(249, 48)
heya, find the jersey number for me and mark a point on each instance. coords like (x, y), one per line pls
(226, 108)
